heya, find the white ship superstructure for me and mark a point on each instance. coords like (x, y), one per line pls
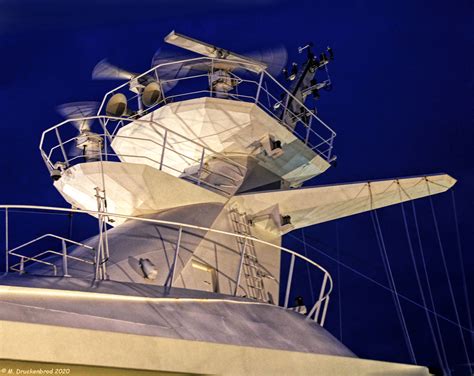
(194, 171)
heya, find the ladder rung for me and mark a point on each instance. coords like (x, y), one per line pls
(251, 266)
(252, 276)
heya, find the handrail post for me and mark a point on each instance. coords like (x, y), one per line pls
(6, 241)
(241, 263)
(105, 148)
(321, 294)
(165, 138)
(330, 146)
(290, 277)
(173, 268)
(97, 258)
(323, 316)
(201, 163)
(99, 271)
(140, 104)
(209, 78)
(66, 160)
(65, 270)
(257, 96)
(308, 130)
(163, 94)
(22, 265)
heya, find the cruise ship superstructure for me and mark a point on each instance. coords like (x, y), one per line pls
(194, 172)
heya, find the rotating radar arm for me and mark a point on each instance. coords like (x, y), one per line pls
(209, 50)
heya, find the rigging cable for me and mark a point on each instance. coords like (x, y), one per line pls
(450, 287)
(307, 267)
(381, 285)
(339, 281)
(441, 358)
(391, 281)
(428, 283)
(463, 274)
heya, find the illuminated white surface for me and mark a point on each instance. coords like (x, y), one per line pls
(310, 206)
(132, 189)
(224, 126)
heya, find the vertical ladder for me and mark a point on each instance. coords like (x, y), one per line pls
(251, 269)
(102, 251)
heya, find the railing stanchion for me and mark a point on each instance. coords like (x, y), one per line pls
(65, 270)
(241, 263)
(321, 294)
(325, 309)
(209, 78)
(6, 241)
(105, 148)
(319, 309)
(163, 94)
(290, 277)
(308, 130)
(311, 312)
(201, 163)
(330, 147)
(175, 260)
(165, 138)
(66, 160)
(257, 96)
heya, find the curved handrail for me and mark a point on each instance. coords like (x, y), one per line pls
(115, 118)
(324, 298)
(212, 59)
(260, 88)
(204, 151)
(49, 235)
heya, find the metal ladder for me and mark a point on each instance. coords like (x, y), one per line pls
(250, 267)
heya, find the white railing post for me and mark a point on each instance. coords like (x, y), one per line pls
(308, 130)
(65, 270)
(241, 263)
(201, 163)
(175, 260)
(311, 312)
(163, 97)
(105, 152)
(257, 96)
(209, 78)
(321, 294)
(140, 104)
(66, 160)
(99, 256)
(6, 241)
(290, 277)
(165, 138)
(330, 146)
(325, 309)
(22, 265)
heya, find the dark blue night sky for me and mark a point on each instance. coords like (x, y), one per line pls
(402, 105)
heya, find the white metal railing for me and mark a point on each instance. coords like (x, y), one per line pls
(170, 158)
(20, 266)
(317, 312)
(259, 88)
